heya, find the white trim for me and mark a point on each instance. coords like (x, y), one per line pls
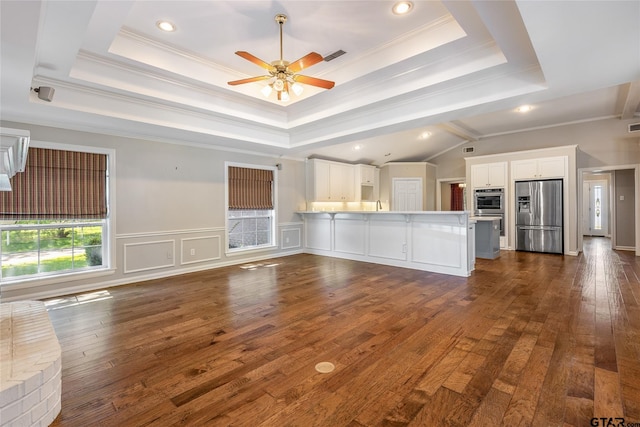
(169, 232)
(283, 230)
(216, 237)
(34, 282)
(155, 267)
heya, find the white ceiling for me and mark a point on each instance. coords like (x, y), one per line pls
(455, 69)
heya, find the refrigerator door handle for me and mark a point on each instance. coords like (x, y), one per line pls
(533, 227)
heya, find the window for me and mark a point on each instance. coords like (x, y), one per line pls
(47, 247)
(250, 207)
(55, 221)
(597, 219)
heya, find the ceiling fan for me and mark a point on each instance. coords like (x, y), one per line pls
(283, 72)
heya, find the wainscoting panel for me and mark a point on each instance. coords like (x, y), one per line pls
(350, 235)
(388, 238)
(290, 238)
(318, 233)
(200, 249)
(149, 255)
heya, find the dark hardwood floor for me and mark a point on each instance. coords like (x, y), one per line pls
(528, 339)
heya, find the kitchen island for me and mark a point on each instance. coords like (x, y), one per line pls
(436, 241)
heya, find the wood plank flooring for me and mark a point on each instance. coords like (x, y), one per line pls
(528, 339)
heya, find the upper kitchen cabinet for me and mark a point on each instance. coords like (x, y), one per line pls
(366, 175)
(367, 187)
(489, 175)
(546, 167)
(330, 181)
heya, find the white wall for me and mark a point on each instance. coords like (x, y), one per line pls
(169, 198)
(624, 199)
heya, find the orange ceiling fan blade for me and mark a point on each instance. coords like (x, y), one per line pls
(304, 62)
(259, 62)
(326, 84)
(249, 80)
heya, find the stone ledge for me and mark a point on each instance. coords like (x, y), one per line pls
(30, 365)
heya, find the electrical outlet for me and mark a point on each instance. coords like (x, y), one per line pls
(193, 251)
(286, 240)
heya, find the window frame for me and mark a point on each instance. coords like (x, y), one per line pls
(274, 222)
(108, 237)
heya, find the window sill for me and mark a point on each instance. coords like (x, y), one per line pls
(243, 251)
(58, 278)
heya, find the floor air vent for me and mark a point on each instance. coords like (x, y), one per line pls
(634, 127)
(468, 149)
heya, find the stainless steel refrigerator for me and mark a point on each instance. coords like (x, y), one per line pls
(539, 216)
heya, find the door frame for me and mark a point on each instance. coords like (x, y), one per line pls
(612, 221)
(440, 182)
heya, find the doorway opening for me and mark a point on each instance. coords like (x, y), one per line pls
(624, 205)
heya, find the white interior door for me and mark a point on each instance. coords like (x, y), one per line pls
(407, 194)
(595, 208)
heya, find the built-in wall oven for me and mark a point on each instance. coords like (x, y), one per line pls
(490, 202)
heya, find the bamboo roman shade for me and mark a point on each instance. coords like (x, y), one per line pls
(58, 184)
(250, 188)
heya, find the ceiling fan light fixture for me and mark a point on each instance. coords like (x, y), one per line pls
(285, 96)
(278, 85)
(402, 7)
(266, 91)
(297, 88)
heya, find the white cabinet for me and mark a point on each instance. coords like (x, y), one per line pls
(330, 181)
(489, 175)
(342, 182)
(367, 187)
(546, 167)
(366, 174)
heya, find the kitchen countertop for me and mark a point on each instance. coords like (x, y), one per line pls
(388, 212)
(485, 218)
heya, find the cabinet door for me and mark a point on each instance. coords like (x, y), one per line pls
(551, 167)
(348, 183)
(479, 176)
(488, 175)
(342, 182)
(524, 169)
(322, 183)
(496, 173)
(367, 175)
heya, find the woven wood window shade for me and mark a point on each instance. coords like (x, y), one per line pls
(250, 188)
(57, 184)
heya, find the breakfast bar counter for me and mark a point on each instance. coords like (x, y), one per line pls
(436, 241)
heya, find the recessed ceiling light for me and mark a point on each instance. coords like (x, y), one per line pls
(424, 135)
(402, 7)
(357, 147)
(524, 108)
(166, 26)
